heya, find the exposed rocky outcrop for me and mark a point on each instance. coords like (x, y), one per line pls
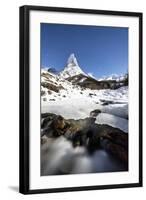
(52, 87)
(44, 99)
(85, 81)
(42, 92)
(85, 132)
(94, 113)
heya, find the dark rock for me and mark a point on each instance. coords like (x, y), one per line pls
(49, 132)
(59, 122)
(47, 121)
(42, 93)
(44, 99)
(94, 113)
(49, 92)
(91, 94)
(115, 141)
(51, 99)
(115, 149)
(44, 115)
(51, 86)
(119, 138)
(114, 137)
(53, 70)
(106, 102)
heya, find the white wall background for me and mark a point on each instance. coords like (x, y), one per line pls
(9, 101)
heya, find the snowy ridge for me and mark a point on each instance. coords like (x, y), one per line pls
(72, 68)
(113, 77)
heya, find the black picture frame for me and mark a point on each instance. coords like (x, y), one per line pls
(25, 105)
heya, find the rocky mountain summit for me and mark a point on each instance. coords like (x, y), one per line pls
(74, 76)
(72, 68)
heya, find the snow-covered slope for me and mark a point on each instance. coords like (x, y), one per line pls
(62, 97)
(72, 68)
(74, 94)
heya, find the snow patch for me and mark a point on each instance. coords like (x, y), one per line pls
(112, 120)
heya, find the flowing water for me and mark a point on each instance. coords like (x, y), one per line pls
(58, 156)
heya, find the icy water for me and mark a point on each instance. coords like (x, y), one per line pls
(60, 157)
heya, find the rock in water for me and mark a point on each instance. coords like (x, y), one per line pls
(115, 149)
(85, 132)
(59, 122)
(94, 113)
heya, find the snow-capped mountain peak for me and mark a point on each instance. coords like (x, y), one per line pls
(72, 68)
(72, 60)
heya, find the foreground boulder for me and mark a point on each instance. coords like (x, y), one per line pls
(85, 132)
(115, 149)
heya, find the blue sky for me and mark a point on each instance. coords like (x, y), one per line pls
(99, 50)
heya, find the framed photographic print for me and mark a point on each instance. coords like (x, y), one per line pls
(80, 99)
